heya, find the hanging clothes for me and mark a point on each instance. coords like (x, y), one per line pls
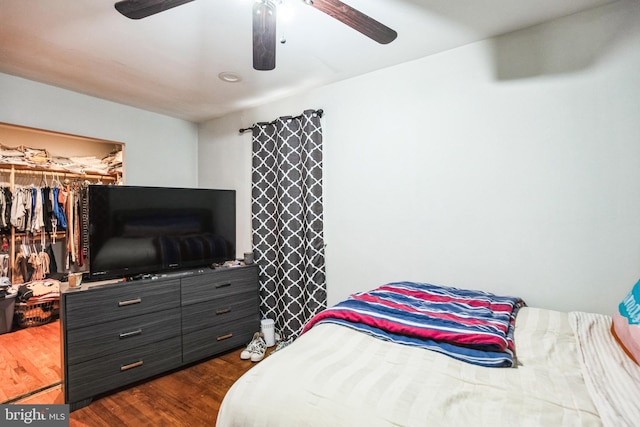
(40, 265)
(47, 209)
(5, 208)
(4, 265)
(19, 273)
(8, 197)
(84, 225)
(18, 210)
(28, 208)
(37, 218)
(40, 212)
(71, 230)
(53, 264)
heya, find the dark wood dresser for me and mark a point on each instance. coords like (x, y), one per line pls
(120, 333)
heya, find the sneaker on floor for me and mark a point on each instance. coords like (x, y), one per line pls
(258, 350)
(248, 351)
(282, 344)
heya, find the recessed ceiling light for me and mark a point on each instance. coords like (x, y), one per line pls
(229, 77)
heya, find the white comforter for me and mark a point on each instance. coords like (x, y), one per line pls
(334, 376)
(613, 379)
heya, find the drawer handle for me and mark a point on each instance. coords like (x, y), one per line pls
(223, 285)
(129, 302)
(224, 337)
(131, 365)
(223, 310)
(131, 333)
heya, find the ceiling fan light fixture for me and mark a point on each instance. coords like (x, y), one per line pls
(229, 77)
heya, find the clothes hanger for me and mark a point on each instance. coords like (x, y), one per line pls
(24, 246)
(43, 180)
(55, 180)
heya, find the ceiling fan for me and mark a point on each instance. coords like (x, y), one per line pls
(264, 23)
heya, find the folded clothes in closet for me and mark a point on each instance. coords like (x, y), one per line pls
(40, 158)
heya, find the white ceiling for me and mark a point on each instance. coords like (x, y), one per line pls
(169, 62)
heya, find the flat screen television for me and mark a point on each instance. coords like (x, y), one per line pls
(136, 230)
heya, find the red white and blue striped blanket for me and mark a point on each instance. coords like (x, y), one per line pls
(472, 326)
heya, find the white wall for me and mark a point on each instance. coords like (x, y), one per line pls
(224, 161)
(159, 150)
(511, 165)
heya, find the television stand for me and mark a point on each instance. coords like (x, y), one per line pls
(119, 333)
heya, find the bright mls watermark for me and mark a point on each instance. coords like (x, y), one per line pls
(34, 415)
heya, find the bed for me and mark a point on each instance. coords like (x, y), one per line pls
(568, 370)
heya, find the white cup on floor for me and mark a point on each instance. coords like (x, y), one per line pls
(268, 329)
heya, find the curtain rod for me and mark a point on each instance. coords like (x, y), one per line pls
(318, 112)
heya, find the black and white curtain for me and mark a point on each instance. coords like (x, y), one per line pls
(287, 220)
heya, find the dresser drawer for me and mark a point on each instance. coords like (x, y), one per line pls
(216, 339)
(121, 335)
(219, 310)
(113, 302)
(116, 370)
(222, 282)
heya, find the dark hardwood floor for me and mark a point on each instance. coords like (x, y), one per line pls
(30, 361)
(188, 397)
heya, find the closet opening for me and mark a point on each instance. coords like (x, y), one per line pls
(44, 179)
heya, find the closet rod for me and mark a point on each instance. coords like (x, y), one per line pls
(318, 112)
(60, 174)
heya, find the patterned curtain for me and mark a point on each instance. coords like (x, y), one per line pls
(287, 220)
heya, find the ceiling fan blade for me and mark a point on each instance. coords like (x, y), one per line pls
(264, 36)
(137, 9)
(355, 19)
